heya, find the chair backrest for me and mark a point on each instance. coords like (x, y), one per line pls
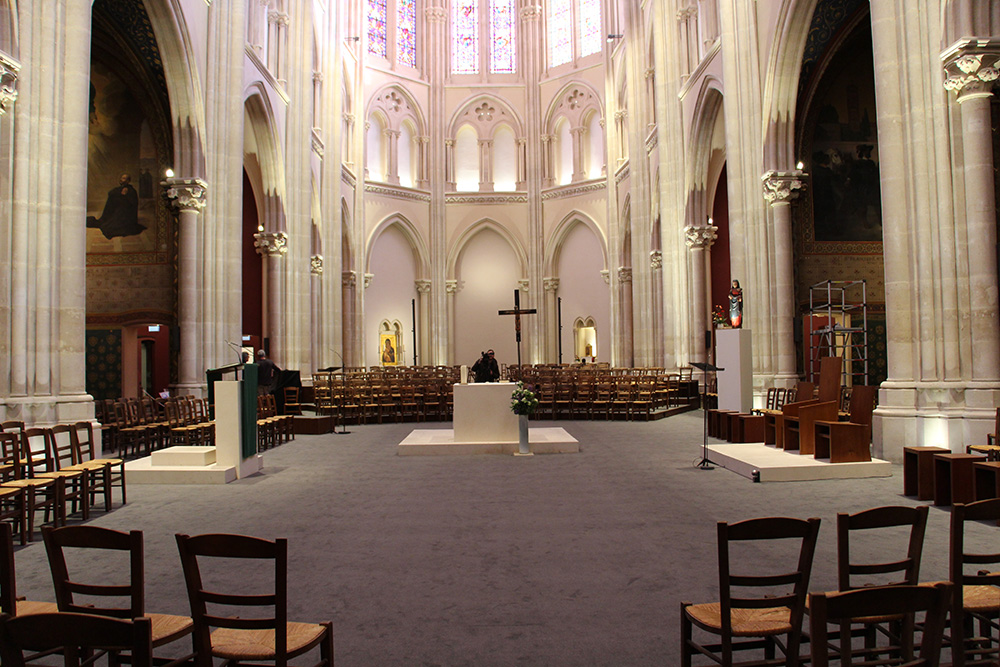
(862, 404)
(783, 586)
(10, 453)
(8, 576)
(61, 445)
(13, 426)
(84, 446)
(880, 520)
(57, 631)
(803, 392)
(119, 600)
(983, 510)
(829, 378)
(217, 546)
(826, 608)
(35, 450)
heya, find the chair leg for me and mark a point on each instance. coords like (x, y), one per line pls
(685, 636)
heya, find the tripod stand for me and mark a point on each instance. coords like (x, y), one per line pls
(705, 464)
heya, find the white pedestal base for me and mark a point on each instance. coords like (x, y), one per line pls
(443, 442)
(482, 412)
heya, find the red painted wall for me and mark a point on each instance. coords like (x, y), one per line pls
(721, 279)
(253, 298)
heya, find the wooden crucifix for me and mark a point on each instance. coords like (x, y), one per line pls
(517, 312)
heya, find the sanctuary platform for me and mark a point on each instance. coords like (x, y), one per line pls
(442, 442)
(187, 465)
(777, 465)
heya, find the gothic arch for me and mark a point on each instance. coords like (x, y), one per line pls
(484, 224)
(781, 84)
(420, 253)
(186, 97)
(969, 18)
(485, 113)
(8, 29)
(396, 104)
(576, 101)
(266, 174)
(562, 230)
(702, 170)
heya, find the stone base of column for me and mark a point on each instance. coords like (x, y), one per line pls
(48, 410)
(198, 390)
(939, 414)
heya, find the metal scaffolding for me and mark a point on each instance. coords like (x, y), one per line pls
(844, 305)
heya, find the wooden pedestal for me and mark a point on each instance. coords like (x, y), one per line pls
(918, 471)
(954, 481)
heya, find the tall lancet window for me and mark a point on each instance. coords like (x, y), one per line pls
(406, 32)
(573, 30)
(497, 33)
(465, 36)
(502, 37)
(377, 42)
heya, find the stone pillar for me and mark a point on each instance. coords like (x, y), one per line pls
(579, 171)
(449, 164)
(316, 339)
(551, 286)
(348, 138)
(424, 310)
(547, 167)
(685, 38)
(698, 240)
(656, 270)
(451, 287)
(349, 282)
(272, 41)
(280, 72)
(780, 188)
(423, 181)
(47, 244)
(273, 246)
(522, 163)
(625, 298)
(972, 66)
(187, 196)
(8, 85)
(392, 146)
(486, 165)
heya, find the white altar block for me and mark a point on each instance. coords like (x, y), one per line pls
(229, 430)
(482, 412)
(734, 352)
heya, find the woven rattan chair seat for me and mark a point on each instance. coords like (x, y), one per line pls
(35, 482)
(259, 644)
(981, 598)
(167, 627)
(746, 622)
(25, 607)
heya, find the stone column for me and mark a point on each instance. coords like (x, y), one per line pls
(273, 246)
(972, 66)
(424, 310)
(780, 188)
(349, 282)
(348, 139)
(486, 165)
(187, 196)
(423, 181)
(451, 288)
(579, 172)
(316, 340)
(449, 164)
(551, 286)
(392, 146)
(272, 41)
(547, 168)
(656, 269)
(8, 85)
(685, 38)
(698, 240)
(280, 72)
(625, 292)
(522, 163)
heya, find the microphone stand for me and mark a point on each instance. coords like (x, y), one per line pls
(705, 464)
(343, 395)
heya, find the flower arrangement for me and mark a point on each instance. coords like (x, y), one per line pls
(523, 401)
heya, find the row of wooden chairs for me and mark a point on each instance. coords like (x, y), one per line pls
(137, 427)
(762, 602)
(272, 429)
(84, 600)
(56, 471)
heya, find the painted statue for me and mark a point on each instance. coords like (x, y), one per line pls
(736, 305)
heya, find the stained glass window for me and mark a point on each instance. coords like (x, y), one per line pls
(560, 31)
(590, 27)
(376, 27)
(503, 51)
(406, 32)
(465, 37)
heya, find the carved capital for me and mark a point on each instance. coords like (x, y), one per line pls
(316, 265)
(451, 287)
(349, 278)
(606, 275)
(531, 13)
(971, 66)
(8, 85)
(656, 259)
(550, 284)
(272, 244)
(317, 75)
(185, 194)
(782, 186)
(369, 277)
(349, 118)
(621, 115)
(700, 237)
(436, 14)
(523, 284)
(423, 286)
(624, 274)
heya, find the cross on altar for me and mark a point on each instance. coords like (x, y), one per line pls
(517, 311)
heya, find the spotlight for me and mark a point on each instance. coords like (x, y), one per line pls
(612, 38)
(799, 165)
(169, 173)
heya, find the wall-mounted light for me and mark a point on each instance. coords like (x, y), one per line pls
(169, 173)
(612, 38)
(351, 39)
(799, 165)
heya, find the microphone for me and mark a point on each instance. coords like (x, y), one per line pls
(237, 349)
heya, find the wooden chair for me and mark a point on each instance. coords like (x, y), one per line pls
(62, 459)
(991, 448)
(849, 441)
(292, 405)
(880, 601)
(877, 528)
(10, 603)
(755, 622)
(799, 424)
(74, 634)
(106, 473)
(122, 597)
(39, 494)
(264, 636)
(71, 485)
(976, 597)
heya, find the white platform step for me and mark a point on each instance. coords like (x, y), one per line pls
(777, 465)
(441, 442)
(184, 455)
(185, 465)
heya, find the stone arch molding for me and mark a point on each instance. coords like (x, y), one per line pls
(417, 245)
(486, 223)
(395, 106)
(706, 113)
(562, 230)
(272, 170)
(576, 102)
(485, 113)
(969, 18)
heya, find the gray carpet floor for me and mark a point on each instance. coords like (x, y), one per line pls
(574, 559)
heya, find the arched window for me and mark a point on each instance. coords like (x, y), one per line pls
(573, 29)
(499, 32)
(396, 18)
(467, 160)
(504, 160)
